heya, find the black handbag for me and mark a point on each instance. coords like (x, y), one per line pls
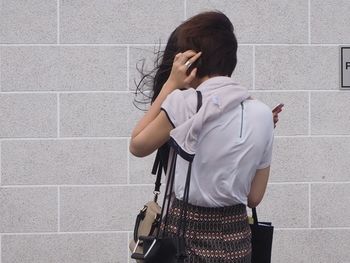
(161, 248)
(262, 236)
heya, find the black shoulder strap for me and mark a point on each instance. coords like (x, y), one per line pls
(157, 169)
(255, 216)
(181, 224)
(199, 99)
(158, 163)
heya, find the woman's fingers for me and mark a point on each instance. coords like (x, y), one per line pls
(189, 55)
(177, 56)
(191, 76)
(179, 75)
(195, 57)
(181, 58)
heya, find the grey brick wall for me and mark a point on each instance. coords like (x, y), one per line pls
(69, 189)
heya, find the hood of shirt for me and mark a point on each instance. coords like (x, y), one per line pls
(220, 94)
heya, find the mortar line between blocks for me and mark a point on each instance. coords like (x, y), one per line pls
(66, 232)
(133, 92)
(315, 136)
(58, 115)
(126, 232)
(62, 138)
(309, 115)
(294, 44)
(0, 247)
(253, 67)
(124, 137)
(300, 90)
(308, 183)
(128, 163)
(128, 67)
(313, 228)
(70, 92)
(75, 185)
(58, 209)
(0, 164)
(309, 205)
(58, 21)
(127, 247)
(155, 44)
(0, 69)
(309, 21)
(147, 185)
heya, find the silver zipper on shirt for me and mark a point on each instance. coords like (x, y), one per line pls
(240, 136)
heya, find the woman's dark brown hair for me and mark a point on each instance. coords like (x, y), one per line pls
(210, 32)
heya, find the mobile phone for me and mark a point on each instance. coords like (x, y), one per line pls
(278, 108)
(197, 64)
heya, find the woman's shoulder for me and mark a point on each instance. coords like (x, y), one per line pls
(184, 97)
(180, 105)
(258, 109)
(182, 93)
(257, 104)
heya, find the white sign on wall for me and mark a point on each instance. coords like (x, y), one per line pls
(345, 67)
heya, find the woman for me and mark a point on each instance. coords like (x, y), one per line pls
(232, 138)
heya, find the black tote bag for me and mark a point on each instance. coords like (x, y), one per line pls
(262, 236)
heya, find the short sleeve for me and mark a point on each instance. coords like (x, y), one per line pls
(267, 155)
(176, 107)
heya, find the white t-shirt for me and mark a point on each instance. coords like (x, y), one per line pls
(231, 144)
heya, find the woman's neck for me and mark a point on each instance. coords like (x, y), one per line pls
(197, 81)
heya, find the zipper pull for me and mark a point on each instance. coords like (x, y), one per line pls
(242, 106)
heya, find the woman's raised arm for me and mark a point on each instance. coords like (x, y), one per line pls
(154, 128)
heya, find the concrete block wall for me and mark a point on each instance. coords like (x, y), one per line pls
(69, 189)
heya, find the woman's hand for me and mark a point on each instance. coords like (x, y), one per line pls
(153, 130)
(275, 116)
(178, 77)
(275, 113)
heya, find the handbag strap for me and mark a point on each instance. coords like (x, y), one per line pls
(183, 212)
(255, 216)
(199, 99)
(157, 169)
(158, 163)
(167, 194)
(169, 186)
(182, 222)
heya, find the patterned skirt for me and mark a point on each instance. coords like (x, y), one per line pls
(213, 234)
